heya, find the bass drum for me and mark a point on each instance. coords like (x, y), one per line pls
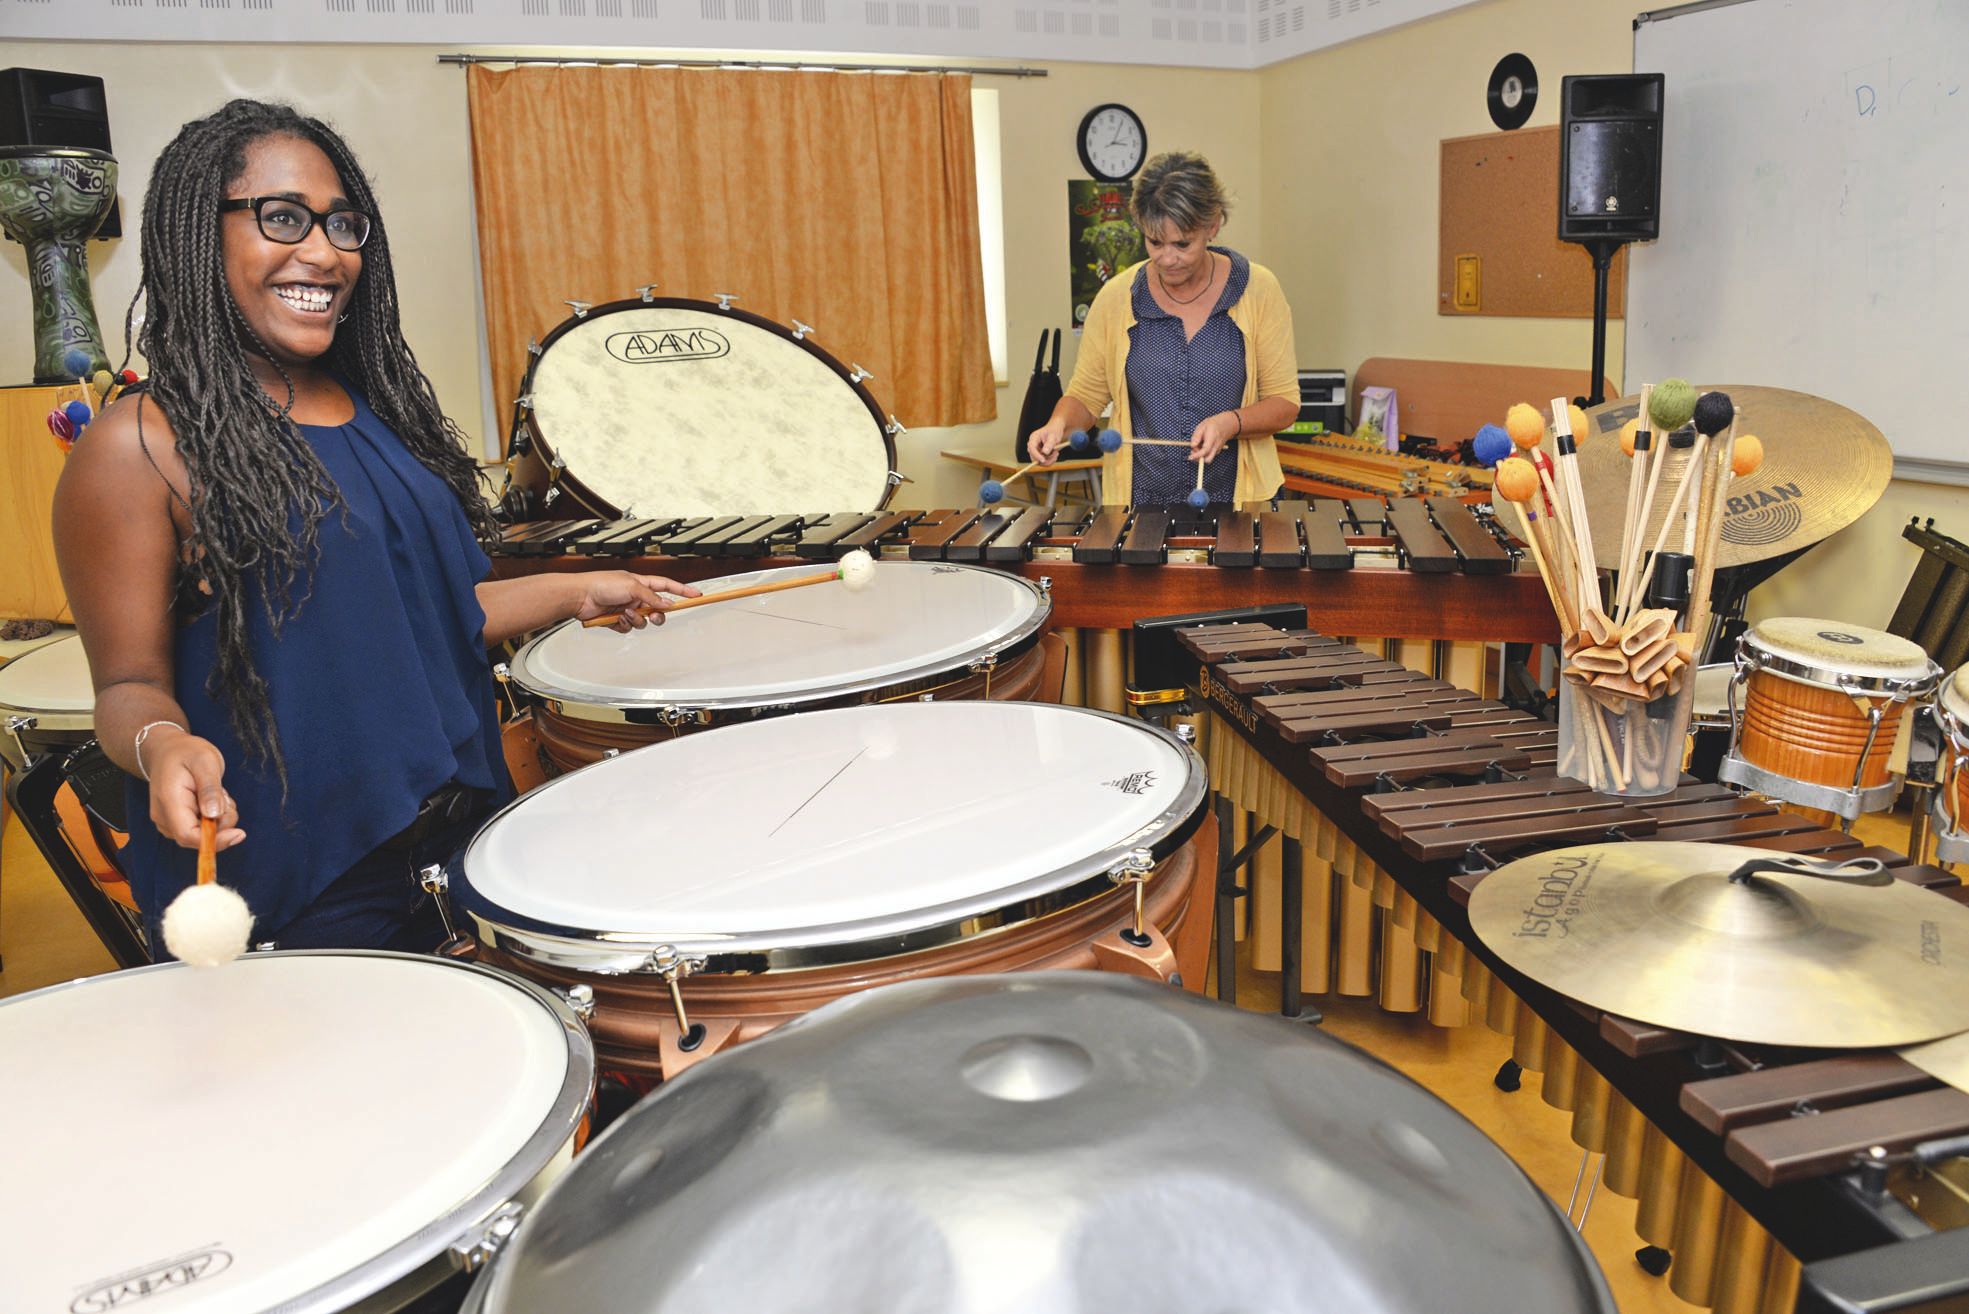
(687, 408)
(1047, 1143)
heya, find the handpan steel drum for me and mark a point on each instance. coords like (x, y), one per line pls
(1951, 806)
(711, 888)
(47, 702)
(306, 1132)
(677, 407)
(920, 628)
(1044, 1144)
(1815, 707)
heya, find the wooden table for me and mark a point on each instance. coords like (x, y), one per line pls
(998, 467)
(30, 462)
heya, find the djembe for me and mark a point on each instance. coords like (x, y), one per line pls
(52, 199)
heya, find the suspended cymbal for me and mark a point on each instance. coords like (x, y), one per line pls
(1947, 1060)
(1659, 933)
(1824, 466)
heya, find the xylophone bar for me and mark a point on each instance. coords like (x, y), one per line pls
(1415, 569)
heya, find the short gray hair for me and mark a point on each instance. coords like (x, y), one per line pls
(1180, 189)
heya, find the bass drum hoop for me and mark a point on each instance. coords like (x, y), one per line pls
(594, 503)
(611, 953)
(1005, 648)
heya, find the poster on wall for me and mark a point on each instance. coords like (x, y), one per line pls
(1101, 239)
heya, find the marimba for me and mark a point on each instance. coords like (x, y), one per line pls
(1414, 568)
(1393, 794)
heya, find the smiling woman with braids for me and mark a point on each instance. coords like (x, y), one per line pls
(272, 552)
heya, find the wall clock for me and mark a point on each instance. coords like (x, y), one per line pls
(1112, 142)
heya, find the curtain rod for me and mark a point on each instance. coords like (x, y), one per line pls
(1019, 71)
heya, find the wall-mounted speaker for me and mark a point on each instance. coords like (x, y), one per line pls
(1610, 158)
(43, 108)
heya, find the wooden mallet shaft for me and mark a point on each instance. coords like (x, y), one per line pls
(728, 595)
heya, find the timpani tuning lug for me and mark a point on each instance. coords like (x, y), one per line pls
(894, 428)
(856, 373)
(472, 1252)
(580, 998)
(673, 966)
(1186, 733)
(580, 308)
(647, 292)
(611, 752)
(1046, 585)
(16, 724)
(501, 672)
(800, 331)
(725, 299)
(1134, 869)
(533, 347)
(897, 479)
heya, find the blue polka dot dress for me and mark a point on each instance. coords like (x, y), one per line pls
(1174, 384)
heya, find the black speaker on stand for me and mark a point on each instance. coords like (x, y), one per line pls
(1609, 179)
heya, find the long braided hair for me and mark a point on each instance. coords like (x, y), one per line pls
(258, 491)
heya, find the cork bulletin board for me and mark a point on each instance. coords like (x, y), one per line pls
(1498, 252)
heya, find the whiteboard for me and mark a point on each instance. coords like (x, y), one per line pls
(1815, 184)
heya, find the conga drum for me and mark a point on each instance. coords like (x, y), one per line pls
(711, 888)
(1817, 709)
(1051, 1142)
(292, 1131)
(1950, 810)
(662, 405)
(47, 702)
(920, 630)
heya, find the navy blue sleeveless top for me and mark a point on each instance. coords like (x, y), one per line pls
(1176, 382)
(380, 685)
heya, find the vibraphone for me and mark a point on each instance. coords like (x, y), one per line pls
(1392, 795)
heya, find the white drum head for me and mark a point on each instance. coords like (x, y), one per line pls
(853, 826)
(51, 683)
(276, 1130)
(1820, 651)
(1955, 696)
(915, 619)
(679, 408)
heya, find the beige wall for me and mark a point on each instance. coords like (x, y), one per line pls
(1350, 176)
(403, 113)
(1333, 159)
(1212, 112)
(405, 116)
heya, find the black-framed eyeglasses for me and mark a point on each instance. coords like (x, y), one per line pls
(288, 222)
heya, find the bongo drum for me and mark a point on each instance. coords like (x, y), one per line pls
(1044, 1143)
(1951, 806)
(690, 408)
(710, 888)
(1816, 710)
(920, 630)
(47, 702)
(292, 1131)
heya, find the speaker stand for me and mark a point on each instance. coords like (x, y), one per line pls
(1602, 250)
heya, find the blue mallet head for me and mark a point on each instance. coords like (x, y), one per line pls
(1198, 498)
(79, 414)
(1491, 445)
(77, 363)
(991, 491)
(1110, 440)
(1078, 440)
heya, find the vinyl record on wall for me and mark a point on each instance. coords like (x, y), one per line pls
(1513, 91)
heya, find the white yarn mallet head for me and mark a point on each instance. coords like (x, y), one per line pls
(208, 924)
(857, 570)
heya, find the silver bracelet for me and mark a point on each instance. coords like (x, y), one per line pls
(144, 734)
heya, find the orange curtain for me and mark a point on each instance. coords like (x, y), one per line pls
(847, 201)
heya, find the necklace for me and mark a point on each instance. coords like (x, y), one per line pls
(1208, 283)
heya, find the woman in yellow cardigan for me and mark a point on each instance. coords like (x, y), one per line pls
(1192, 345)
